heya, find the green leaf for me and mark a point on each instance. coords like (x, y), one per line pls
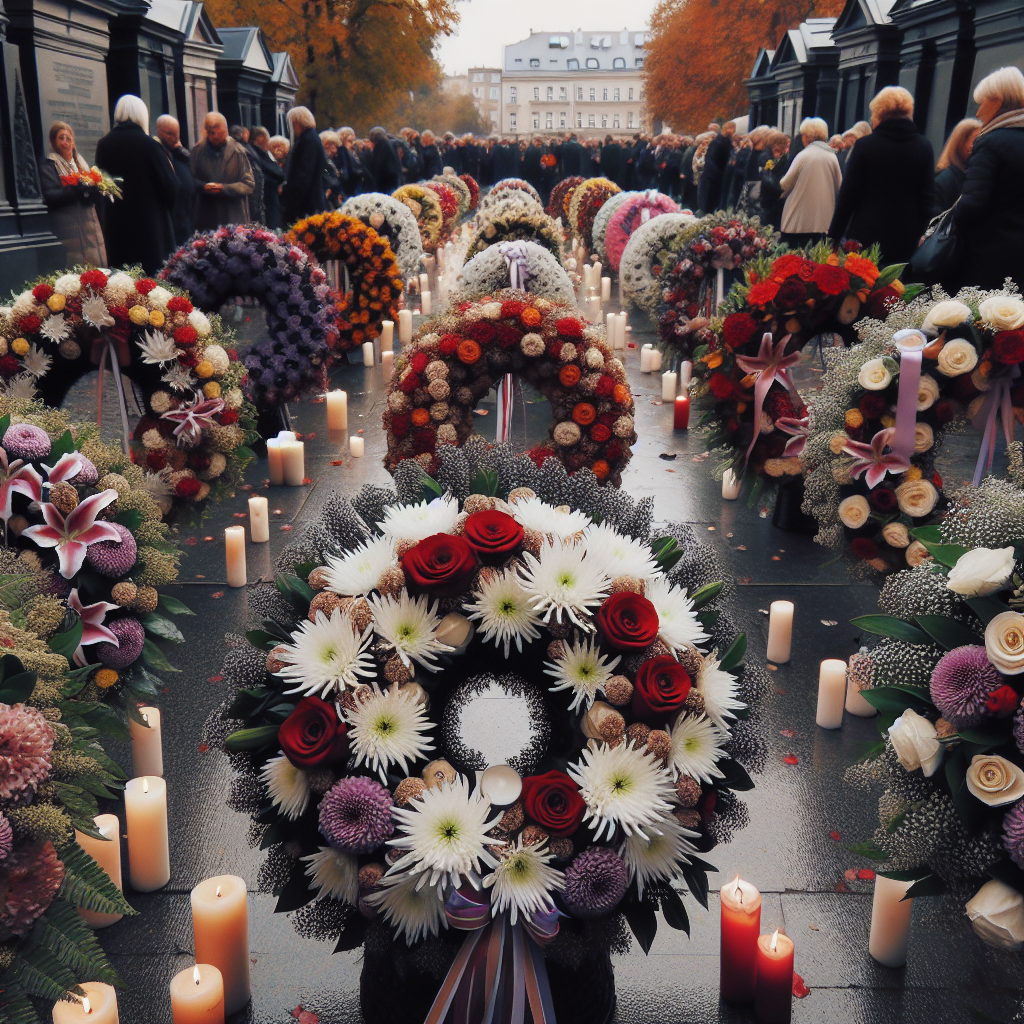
(485, 482)
(674, 911)
(262, 639)
(87, 886)
(62, 931)
(296, 592)
(931, 885)
(967, 807)
(706, 593)
(868, 850)
(987, 739)
(251, 739)
(173, 606)
(736, 653)
(894, 698)
(888, 275)
(130, 518)
(643, 922)
(986, 608)
(889, 625)
(945, 554)
(244, 455)
(667, 553)
(303, 569)
(154, 657)
(64, 445)
(161, 627)
(5, 422)
(66, 643)
(947, 632)
(42, 974)
(927, 534)
(1008, 873)
(296, 892)
(429, 487)
(352, 934)
(708, 618)
(734, 775)
(16, 684)
(697, 882)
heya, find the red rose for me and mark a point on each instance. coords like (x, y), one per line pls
(313, 736)
(662, 684)
(185, 336)
(864, 547)
(94, 279)
(553, 801)
(187, 487)
(409, 383)
(569, 327)
(945, 410)
(1008, 347)
(600, 433)
(1002, 702)
(145, 285)
(42, 292)
(419, 362)
(763, 292)
(448, 344)
(872, 405)
(883, 498)
(721, 386)
(792, 294)
(831, 280)
(481, 332)
(881, 302)
(441, 565)
(779, 405)
(227, 417)
(493, 535)
(506, 336)
(628, 621)
(785, 266)
(605, 386)
(511, 309)
(179, 304)
(738, 329)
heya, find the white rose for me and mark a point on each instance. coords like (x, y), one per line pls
(491, 310)
(874, 376)
(1004, 643)
(949, 313)
(854, 511)
(981, 571)
(927, 393)
(916, 498)
(997, 915)
(956, 357)
(924, 437)
(917, 554)
(896, 535)
(1003, 312)
(995, 781)
(68, 284)
(916, 743)
(218, 357)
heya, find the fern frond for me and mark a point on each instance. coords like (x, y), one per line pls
(15, 1006)
(42, 974)
(88, 886)
(62, 931)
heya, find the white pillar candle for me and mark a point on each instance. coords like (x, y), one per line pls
(585, 282)
(293, 462)
(259, 520)
(387, 335)
(405, 326)
(97, 1006)
(147, 744)
(655, 360)
(234, 555)
(685, 373)
(646, 359)
(107, 853)
(197, 995)
(274, 459)
(668, 386)
(367, 353)
(831, 693)
(593, 309)
(287, 435)
(337, 409)
(428, 262)
(149, 857)
(855, 702)
(596, 274)
(220, 924)
(620, 337)
(426, 303)
(387, 361)
(424, 282)
(611, 329)
(890, 922)
(606, 289)
(780, 631)
(731, 485)
(356, 447)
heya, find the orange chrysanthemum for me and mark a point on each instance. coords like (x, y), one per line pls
(468, 351)
(600, 469)
(569, 376)
(420, 417)
(620, 394)
(584, 414)
(530, 317)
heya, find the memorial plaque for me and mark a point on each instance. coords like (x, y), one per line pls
(73, 89)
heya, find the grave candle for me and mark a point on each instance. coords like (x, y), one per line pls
(424, 282)
(831, 693)
(606, 289)
(731, 485)
(197, 995)
(780, 631)
(107, 853)
(646, 358)
(145, 809)
(147, 745)
(655, 360)
(220, 924)
(356, 447)
(611, 330)
(620, 338)
(259, 520)
(681, 415)
(367, 353)
(426, 303)
(274, 459)
(773, 997)
(387, 361)
(287, 435)
(234, 555)
(405, 326)
(685, 372)
(890, 921)
(387, 336)
(668, 386)
(293, 462)
(337, 408)
(741, 925)
(97, 1006)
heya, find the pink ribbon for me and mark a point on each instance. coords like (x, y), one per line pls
(770, 364)
(996, 406)
(910, 343)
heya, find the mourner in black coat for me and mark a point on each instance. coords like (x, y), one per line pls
(169, 132)
(611, 161)
(273, 177)
(384, 164)
(303, 193)
(431, 157)
(709, 189)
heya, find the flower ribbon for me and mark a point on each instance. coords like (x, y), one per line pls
(910, 343)
(996, 406)
(499, 970)
(876, 459)
(770, 364)
(518, 260)
(798, 429)
(193, 419)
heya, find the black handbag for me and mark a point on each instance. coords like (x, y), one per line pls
(937, 258)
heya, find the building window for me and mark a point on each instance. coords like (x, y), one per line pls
(641, 95)
(579, 119)
(604, 120)
(573, 64)
(551, 92)
(513, 93)
(495, 78)
(593, 64)
(619, 63)
(477, 91)
(536, 121)
(629, 119)
(639, 62)
(604, 95)
(494, 92)
(512, 121)
(593, 95)
(535, 62)
(477, 77)
(591, 122)
(536, 92)
(561, 119)
(615, 121)
(494, 117)
(579, 92)
(630, 93)
(549, 120)
(562, 94)
(618, 95)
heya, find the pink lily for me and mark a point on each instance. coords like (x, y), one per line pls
(67, 467)
(93, 630)
(873, 461)
(798, 429)
(18, 476)
(72, 536)
(193, 419)
(770, 364)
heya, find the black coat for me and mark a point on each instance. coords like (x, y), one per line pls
(709, 191)
(990, 214)
(949, 183)
(303, 193)
(431, 161)
(887, 191)
(572, 159)
(531, 165)
(138, 228)
(181, 215)
(273, 178)
(385, 166)
(611, 162)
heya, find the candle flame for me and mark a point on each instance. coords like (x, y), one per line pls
(195, 974)
(775, 939)
(218, 890)
(86, 1008)
(145, 785)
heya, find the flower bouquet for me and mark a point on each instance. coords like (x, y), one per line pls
(603, 219)
(474, 191)
(628, 216)
(107, 186)
(392, 220)
(561, 196)
(501, 189)
(450, 205)
(461, 189)
(587, 199)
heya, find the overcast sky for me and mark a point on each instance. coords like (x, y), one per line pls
(487, 25)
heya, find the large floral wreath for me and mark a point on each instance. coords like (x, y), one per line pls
(561, 195)
(490, 271)
(515, 223)
(474, 190)
(451, 207)
(506, 185)
(394, 221)
(455, 359)
(586, 200)
(425, 205)
(639, 268)
(601, 221)
(628, 216)
(461, 189)
(373, 654)
(293, 290)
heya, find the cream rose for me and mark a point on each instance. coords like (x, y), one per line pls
(949, 313)
(997, 915)
(854, 511)
(1003, 312)
(924, 437)
(916, 743)
(1004, 643)
(896, 535)
(917, 554)
(927, 393)
(995, 781)
(981, 571)
(916, 498)
(874, 376)
(956, 357)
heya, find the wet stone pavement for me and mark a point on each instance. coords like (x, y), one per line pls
(789, 836)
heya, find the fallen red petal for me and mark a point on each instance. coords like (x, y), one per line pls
(799, 988)
(836, 836)
(241, 515)
(217, 593)
(788, 733)
(850, 874)
(190, 541)
(791, 759)
(307, 479)
(215, 679)
(287, 526)
(208, 538)
(866, 875)
(337, 462)
(203, 748)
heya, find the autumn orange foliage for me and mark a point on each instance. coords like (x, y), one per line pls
(701, 51)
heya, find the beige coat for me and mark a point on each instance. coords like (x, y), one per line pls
(810, 187)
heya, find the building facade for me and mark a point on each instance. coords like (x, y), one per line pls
(590, 83)
(485, 88)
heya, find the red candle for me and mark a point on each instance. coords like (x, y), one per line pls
(741, 925)
(773, 1001)
(682, 414)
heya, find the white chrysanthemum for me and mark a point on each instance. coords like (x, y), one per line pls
(388, 728)
(623, 787)
(534, 514)
(55, 328)
(445, 835)
(410, 626)
(37, 362)
(503, 609)
(719, 691)
(218, 358)
(335, 873)
(414, 912)
(95, 312)
(657, 852)
(583, 669)
(158, 484)
(158, 298)
(678, 625)
(524, 881)
(119, 287)
(326, 655)
(563, 580)
(20, 387)
(200, 323)
(67, 284)
(414, 522)
(287, 786)
(179, 378)
(357, 572)
(618, 554)
(696, 748)
(156, 347)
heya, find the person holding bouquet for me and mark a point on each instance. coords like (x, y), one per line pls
(71, 195)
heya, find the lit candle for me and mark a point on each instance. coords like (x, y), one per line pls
(685, 372)
(145, 808)
(387, 361)
(681, 416)
(741, 925)
(220, 924)
(367, 353)
(259, 520)
(780, 631)
(427, 303)
(337, 409)
(405, 326)
(97, 1006)
(606, 289)
(655, 360)
(646, 358)
(274, 458)
(107, 853)
(197, 995)
(668, 386)
(293, 462)
(831, 693)
(773, 998)
(890, 921)
(234, 555)
(147, 746)
(387, 335)
(356, 447)
(731, 485)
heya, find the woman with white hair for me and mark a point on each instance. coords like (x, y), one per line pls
(810, 186)
(138, 228)
(990, 214)
(303, 192)
(889, 183)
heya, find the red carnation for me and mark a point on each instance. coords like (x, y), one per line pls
(605, 386)
(831, 280)
(29, 324)
(864, 547)
(720, 385)
(600, 433)
(227, 417)
(145, 285)
(448, 344)
(199, 460)
(792, 293)
(945, 410)
(872, 405)
(779, 405)
(420, 361)
(9, 366)
(400, 425)
(94, 279)
(179, 304)
(189, 359)
(569, 327)
(511, 309)
(738, 329)
(424, 439)
(185, 336)
(155, 461)
(187, 487)
(506, 336)
(881, 302)
(785, 266)
(555, 348)
(482, 332)
(42, 292)
(613, 451)
(1003, 701)
(763, 292)
(409, 383)
(1008, 347)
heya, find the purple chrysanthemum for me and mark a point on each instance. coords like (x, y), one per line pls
(114, 558)
(24, 441)
(87, 474)
(130, 635)
(26, 742)
(961, 683)
(6, 838)
(595, 882)
(1018, 728)
(1013, 833)
(355, 814)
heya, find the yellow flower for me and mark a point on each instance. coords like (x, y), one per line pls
(19, 347)
(713, 359)
(914, 473)
(156, 318)
(105, 678)
(204, 369)
(56, 302)
(211, 389)
(139, 316)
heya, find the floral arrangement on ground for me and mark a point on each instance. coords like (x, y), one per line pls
(628, 216)
(587, 199)
(474, 190)
(601, 221)
(500, 190)
(639, 281)
(456, 358)
(394, 221)
(462, 191)
(425, 205)
(489, 272)
(561, 196)
(450, 205)
(514, 223)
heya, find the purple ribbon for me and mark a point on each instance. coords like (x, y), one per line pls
(910, 343)
(996, 406)
(518, 259)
